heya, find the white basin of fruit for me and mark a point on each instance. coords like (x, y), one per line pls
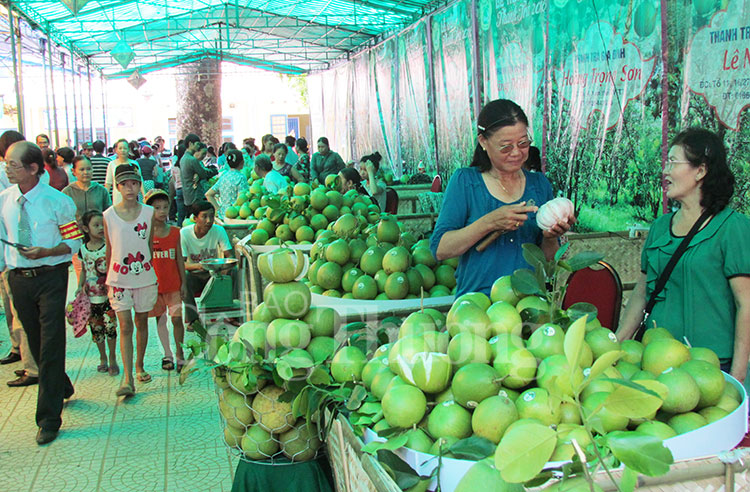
(709, 440)
(272, 247)
(347, 307)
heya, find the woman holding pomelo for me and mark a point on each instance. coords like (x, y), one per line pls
(495, 196)
(706, 299)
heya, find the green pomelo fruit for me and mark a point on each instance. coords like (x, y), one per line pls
(423, 256)
(493, 416)
(603, 419)
(727, 403)
(416, 283)
(732, 392)
(438, 318)
(332, 293)
(329, 275)
(235, 408)
(261, 313)
(657, 429)
(504, 318)
(566, 433)
(473, 383)
(417, 323)
(271, 413)
(323, 321)
(428, 277)
(536, 403)
(686, 422)
(633, 351)
(445, 275)
(397, 259)
(712, 414)
(252, 332)
(396, 286)
(347, 364)
(477, 298)
(627, 369)
(338, 252)
(554, 375)
(663, 353)
(288, 300)
(380, 426)
(300, 443)
(321, 348)
(569, 414)
(449, 419)
(503, 341)
(705, 354)
(532, 302)
(443, 443)
(517, 367)
(502, 291)
(655, 334)
(601, 341)
(683, 393)
(365, 288)
(710, 381)
(372, 368)
(281, 265)
(233, 436)
(404, 406)
(431, 371)
(380, 383)
(468, 317)
(380, 279)
(289, 333)
(466, 348)
(547, 340)
(350, 277)
(372, 260)
(484, 476)
(259, 444)
(240, 380)
(419, 441)
(388, 230)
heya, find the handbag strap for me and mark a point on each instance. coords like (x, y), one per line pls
(662, 280)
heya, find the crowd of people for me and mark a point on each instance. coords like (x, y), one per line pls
(117, 214)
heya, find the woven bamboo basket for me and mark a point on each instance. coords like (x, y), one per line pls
(353, 470)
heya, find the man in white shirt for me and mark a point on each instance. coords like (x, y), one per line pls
(273, 181)
(41, 222)
(201, 241)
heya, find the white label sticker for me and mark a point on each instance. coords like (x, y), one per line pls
(549, 331)
(612, 337)
(529, 396)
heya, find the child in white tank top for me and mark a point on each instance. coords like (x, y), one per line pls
(130, 276)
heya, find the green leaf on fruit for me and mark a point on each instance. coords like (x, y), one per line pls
(222, 355)
(632, 403)
(297, 362)
(573, 343)
(629, 480)
(649, 386)
(370, 408)
(284, 370)
(357, 397)
(584, 259)
(404, 476)
(524, 281)
(355, 327)
(473, 448)
(236, 350)
(604, 362)
(523, 452)
(561, 251)
(640, 452)
(533, 255)
(580, 309)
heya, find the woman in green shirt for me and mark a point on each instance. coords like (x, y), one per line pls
(707, 297)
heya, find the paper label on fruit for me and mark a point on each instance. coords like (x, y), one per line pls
(586, 372)
(549, 331)
(601, 63)
(718, 60)
(529, 396)
(612, 337)
(667, 370)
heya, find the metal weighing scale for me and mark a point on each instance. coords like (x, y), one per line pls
(217, 295)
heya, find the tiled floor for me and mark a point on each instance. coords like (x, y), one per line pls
(167, 438)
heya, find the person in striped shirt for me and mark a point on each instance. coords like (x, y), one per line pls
(99, 163)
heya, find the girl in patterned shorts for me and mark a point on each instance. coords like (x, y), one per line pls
(103, 320)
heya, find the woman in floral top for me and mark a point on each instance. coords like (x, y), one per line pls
(230, 184)
(303, 163)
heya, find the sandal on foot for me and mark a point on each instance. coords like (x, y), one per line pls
(143, 377)
(167, 364)
(180, 365)
(102, 368)
(114, 370)
(126, 390)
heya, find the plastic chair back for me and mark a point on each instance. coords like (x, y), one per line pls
(598, 286)
(437, 184)
(391, 201)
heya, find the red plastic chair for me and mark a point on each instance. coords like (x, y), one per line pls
(391, 201)
(598, 286)
(437, 184)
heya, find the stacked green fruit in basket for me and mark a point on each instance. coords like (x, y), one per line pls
(380, 261)
(269, 359)
(526, 378)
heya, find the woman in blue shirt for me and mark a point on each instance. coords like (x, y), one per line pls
(493, 195)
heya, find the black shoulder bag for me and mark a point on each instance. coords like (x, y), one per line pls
(662, 280)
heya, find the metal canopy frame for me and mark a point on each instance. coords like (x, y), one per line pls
(285, 36)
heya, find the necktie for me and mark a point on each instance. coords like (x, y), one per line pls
(24, 224)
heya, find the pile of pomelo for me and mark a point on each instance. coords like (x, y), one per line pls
(478, 372)
(285, 330)
(378, 261)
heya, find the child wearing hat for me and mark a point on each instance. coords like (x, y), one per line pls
(131, 278)
(170, 273)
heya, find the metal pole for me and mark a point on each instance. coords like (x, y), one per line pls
(104, 105)
(52, 84)
(16, 72)
(43, 44)
(75, 106)
(65, 96)
(80, 105)
(91, 102)
(22, 110)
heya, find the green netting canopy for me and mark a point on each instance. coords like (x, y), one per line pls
(119, 36)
